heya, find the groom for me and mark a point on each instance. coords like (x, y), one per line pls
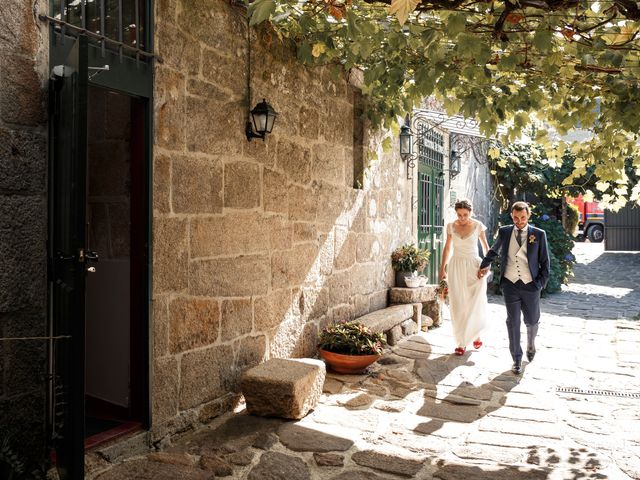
(524, 272)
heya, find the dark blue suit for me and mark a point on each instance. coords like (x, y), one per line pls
(520, 297)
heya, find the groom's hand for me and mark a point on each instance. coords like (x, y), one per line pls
(482, 272)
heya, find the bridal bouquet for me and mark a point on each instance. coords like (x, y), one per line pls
(442, 290)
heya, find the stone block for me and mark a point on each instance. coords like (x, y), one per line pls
(165, 389)
(328, 164)
(303, 205)
(305, 232)
(275, 192)
(205, 375)
(177, 49)
(23, 161)
(241, 276)
(308, 122)
(363, 278)
(214, 127)
(23, 96)
(378, 300)
(426, 323)
(234, 233)
(409, 327)
(394, 334)
(170, 254)
(339, 285)
(272, 310)
(242, 185)
(345, 248)
(335, 210)
(196, 185)
(251, 351)
(223, 69)
(417, 314)
(161, 183)
(292, 267)
(279, 232)
(194, 322)
(18, 29)
(237, 318)
(413, 295)
(169, 109)
(367, 247)
(287, 388)
(387, 318)
(205, 89)
(433, 310)
(160, 326)
(294, 160)
(23, 274)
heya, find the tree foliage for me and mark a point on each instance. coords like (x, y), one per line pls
(524, 172)
(566, 63)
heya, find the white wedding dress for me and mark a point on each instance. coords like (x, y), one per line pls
(467, 292)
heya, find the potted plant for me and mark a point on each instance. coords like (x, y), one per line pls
(407, 260)
(350, 347)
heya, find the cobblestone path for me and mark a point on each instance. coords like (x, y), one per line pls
(423, 413)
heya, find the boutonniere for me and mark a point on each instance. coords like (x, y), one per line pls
(532, 238)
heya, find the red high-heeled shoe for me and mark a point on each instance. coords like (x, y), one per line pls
(459, 351)
(477, 344)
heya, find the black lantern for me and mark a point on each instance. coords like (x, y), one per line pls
(263, 117)
(454, 164)
(406, 140)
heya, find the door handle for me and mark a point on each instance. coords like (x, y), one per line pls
(91, 256)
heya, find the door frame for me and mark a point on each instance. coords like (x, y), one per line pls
(431, 143)
(133, 77)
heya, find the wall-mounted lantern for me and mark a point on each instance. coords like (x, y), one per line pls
(455, 166)
(260, 120)
(263, 116)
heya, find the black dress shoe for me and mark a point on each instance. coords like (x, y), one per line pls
(517, 368)
(531, 354)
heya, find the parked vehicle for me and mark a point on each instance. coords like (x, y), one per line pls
(591, 221)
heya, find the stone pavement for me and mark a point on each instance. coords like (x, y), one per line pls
(423, 413)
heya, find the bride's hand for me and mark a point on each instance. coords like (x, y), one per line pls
(443, 276)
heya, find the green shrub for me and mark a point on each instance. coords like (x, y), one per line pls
(573, 217)
(351, 338)
(409, 258)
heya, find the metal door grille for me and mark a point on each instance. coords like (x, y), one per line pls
(119, 24)
(430, 146)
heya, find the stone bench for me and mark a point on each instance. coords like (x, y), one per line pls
(287, 388)
(426, 296)
(395, 321)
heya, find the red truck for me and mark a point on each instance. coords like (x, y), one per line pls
(591, 219)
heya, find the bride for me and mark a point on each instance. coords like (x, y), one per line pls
(467, 293)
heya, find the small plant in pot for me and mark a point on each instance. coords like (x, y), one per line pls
(407, 261)
(350, 347)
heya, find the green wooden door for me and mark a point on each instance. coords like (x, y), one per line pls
(430, 196)
(67, 256)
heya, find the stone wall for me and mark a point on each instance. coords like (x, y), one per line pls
(257, 244)
(23, 255)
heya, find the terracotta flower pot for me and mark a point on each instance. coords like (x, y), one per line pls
(342, 363)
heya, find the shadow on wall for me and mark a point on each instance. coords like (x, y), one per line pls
(312, 299)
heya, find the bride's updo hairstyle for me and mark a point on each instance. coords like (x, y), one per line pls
(463, 204)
